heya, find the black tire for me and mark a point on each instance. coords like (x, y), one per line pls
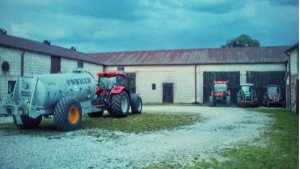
(119, 104)
(228, 100)
(238, 100)
(95, 114)
(268, 104)
(211, 101)
(28, 123)
(136, 104)
(67, 114)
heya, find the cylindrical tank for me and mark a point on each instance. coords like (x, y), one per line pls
(45, 90)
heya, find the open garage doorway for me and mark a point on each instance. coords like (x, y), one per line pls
(232, 77)
(262, 79)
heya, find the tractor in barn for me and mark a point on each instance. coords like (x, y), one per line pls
(273, 96)
(114, 96)
(220, 93)
(247, 96)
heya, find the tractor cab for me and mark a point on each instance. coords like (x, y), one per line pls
(273, 96)
(246, 96)
(220, 93)
(110, 80)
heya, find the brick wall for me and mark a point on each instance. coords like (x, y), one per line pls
(68, 65)
(13, 57)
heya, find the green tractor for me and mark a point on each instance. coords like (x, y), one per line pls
(246, 96)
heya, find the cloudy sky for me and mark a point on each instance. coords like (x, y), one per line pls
(130, 25)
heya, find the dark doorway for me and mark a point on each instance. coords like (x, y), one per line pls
(55, 64)
(168, 93)
(232, 77)
(262, 79)
(130, 82)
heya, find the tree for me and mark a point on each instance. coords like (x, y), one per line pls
(243, 40)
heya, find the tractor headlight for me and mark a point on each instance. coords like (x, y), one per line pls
(27, 105)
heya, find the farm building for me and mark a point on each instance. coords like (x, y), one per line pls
(20, 56)
(292, 81)
(185, 76)
(163, 76)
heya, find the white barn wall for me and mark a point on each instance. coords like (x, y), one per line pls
(181, 76)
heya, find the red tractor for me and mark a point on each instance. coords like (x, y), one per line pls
(114, 96)
(220, 93)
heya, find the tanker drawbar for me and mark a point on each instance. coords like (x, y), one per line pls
(66, 97)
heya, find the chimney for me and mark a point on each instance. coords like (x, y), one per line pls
(73, 48)
(47, 42)
(3, 32)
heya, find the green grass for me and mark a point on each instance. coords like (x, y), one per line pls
(276, 149)
(145, 122)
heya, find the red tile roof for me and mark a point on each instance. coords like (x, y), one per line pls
(251, 55)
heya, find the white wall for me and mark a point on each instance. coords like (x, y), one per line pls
(181, 76)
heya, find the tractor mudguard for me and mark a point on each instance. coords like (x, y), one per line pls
(117, 89)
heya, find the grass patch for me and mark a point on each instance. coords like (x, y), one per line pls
(141, 123)
(276, 149)
(145, 122)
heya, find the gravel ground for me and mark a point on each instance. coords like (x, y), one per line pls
(221, 128)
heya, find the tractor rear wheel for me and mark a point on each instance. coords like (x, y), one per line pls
(228, 101)
(28, 122)
(67, 114)
(136, 104)
(119, 104)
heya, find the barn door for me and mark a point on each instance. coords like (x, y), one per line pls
(168, 93)
(130, 82)
(55, 64)
(262, 79)
(232, 77)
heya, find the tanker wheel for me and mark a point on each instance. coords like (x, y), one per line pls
(136, 104)
(119, 106)
(95, 114)
(28, 122)
(67, 114)
(228, 101)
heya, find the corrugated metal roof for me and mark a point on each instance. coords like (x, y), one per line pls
(271, 54)
(25, 44)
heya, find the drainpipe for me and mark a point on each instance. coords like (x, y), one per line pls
(195, 83)
(290, 79)
(22, 63)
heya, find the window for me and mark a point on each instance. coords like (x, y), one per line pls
(79, 64)
(121, 69)
(153, 86)
(11, 85)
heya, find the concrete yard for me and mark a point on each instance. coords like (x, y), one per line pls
(219, 128)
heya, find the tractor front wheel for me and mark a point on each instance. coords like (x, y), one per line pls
(67, 114)
(136, 104)
(119, 104)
